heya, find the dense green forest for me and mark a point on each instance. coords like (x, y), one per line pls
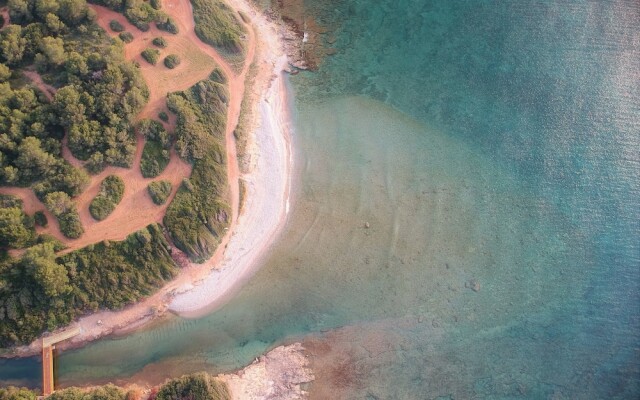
(98, 95)
(42, 291)
(198, 215)
(199, 386)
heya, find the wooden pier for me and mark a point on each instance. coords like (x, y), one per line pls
(48, 344)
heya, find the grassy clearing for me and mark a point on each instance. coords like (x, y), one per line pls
(110, 195)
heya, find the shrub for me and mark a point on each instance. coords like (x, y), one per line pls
(111, 192)
(151, 55)
(195, 386)
(217, 25)
(218, 76)
(40, 219)
(126, 37)
(155, 159)
(163, 116)
(171, 61)
(160, 42)
(60, 205)
(156, 4)
(167, 24)
(159, 191)
(116, 26)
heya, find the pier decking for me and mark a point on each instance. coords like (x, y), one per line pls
(48, 344)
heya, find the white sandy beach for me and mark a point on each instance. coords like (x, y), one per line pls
(264, 212)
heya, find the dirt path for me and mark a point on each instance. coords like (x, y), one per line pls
(4, 11)
(48, 90)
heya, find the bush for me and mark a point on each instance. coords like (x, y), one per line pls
(159, 191)
(151, 55)
(160, 42)
(156, 4)
(155, 159)
(60, 205)
(163, 116)
(116, 26)
(12, 392)
(40, 219)
(110, 195)
(171, 61)
(167, 24)
(126, 37)
(195, 386)
(217, 25)
(218, 76)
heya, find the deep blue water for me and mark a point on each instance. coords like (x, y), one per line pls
(494, 149)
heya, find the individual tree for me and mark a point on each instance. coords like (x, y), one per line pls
(44, 7)
(12, 45)
(32, 161)
(5, 73)
(58, 203)
(40, 260)
(72, 12)
(13, 231)
(53, 49)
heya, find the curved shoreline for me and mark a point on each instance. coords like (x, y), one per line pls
(264, 213)
(199, 288)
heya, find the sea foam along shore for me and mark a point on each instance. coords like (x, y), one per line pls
(201, 287)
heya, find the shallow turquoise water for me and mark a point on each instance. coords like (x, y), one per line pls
(490, 146)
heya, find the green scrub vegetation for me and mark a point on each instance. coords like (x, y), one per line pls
(159, 42)
(159, 191)
(218, 25)
(110, 195)
(199, 386)
(141, 14)
(126, 37)
(198, 215)
(155, 155)
(171, 61)
(151, 55)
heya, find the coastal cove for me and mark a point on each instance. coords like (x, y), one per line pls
(462, 219)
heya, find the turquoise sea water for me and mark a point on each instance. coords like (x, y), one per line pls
(493, 149)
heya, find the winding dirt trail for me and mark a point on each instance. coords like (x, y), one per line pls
(137, 210)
